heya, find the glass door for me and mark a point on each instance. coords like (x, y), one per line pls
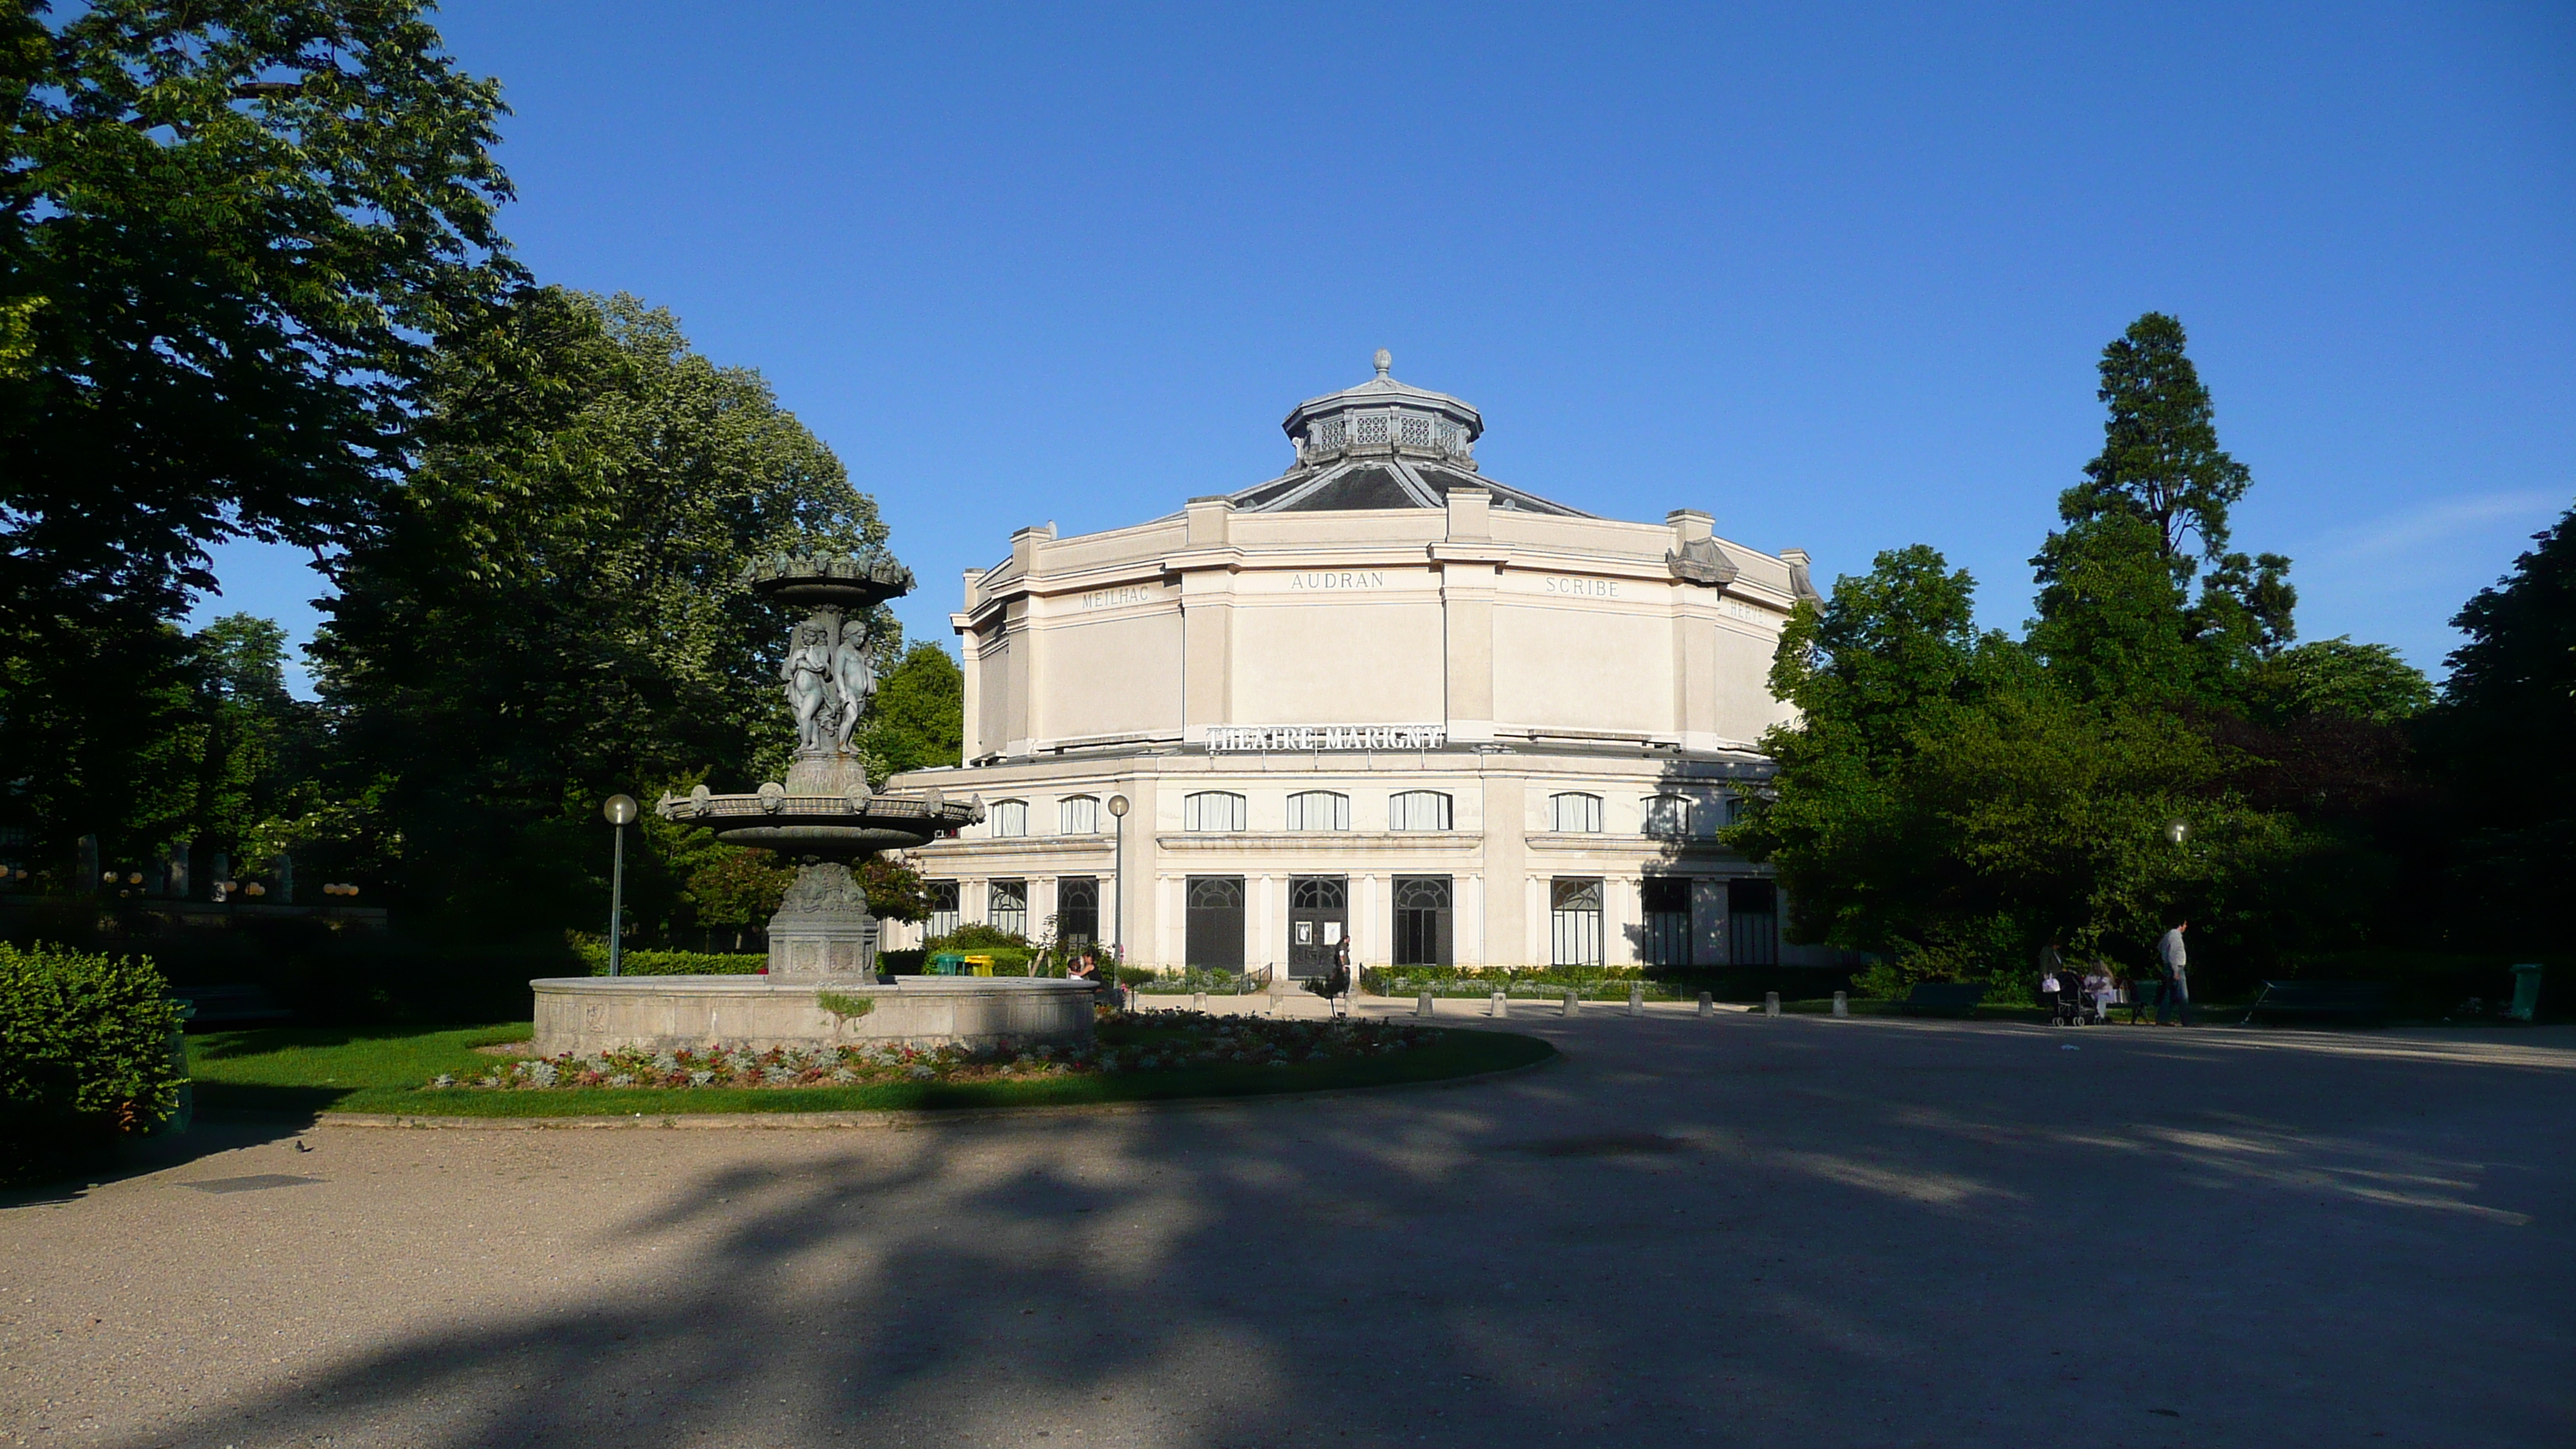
(1319, 916)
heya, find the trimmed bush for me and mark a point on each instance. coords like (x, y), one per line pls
(84, 1052)
(674, 963)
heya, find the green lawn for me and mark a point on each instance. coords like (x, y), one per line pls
(296, 1069)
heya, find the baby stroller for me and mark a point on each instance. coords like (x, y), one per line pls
(2063, 995)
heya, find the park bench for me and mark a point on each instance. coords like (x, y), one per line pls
(1945, 998)
(229, 1005)
(2321, 998)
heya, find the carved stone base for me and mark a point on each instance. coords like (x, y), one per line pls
(833, 774)
(823, 931)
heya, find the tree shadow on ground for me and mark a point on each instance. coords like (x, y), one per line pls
(1740, 1234)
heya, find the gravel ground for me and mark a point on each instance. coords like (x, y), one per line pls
(1733, 1231)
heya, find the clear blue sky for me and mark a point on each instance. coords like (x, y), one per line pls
(1838, 276)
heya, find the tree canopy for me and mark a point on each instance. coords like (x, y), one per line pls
(550, 610)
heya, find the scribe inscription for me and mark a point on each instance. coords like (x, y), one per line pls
(1584, 588)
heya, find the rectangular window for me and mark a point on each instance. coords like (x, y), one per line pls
(1752, 922)
(1009, 907)
(1078, 815)
(1213, 810)
(1574, 922)
(1666, 937)
(1319, 810)
(1009, 817)
(1077, 910)
(1576, 813)
(943, 908)
(1418, 810)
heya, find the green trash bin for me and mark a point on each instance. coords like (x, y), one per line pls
(947, 963)
(2526, 991)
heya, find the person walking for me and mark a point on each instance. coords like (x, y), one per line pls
(2177, 984)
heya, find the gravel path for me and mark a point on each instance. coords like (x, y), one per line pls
(1734, 1231)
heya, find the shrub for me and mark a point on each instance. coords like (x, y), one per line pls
(979, 938)
(674, 963)
(84, 1051)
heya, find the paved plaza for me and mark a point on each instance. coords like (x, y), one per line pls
(1752, 1231)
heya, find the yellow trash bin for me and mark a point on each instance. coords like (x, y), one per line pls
(980, 965)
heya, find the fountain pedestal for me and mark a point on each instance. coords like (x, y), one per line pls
(823, 931)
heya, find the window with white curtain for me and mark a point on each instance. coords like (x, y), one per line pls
(1418, 810)
(943, 908)
(1668, 817)
(1213, 810)
(1078, 815)
(1319, 810)
(1575, 812)
(1574, 922)
(1009, 817)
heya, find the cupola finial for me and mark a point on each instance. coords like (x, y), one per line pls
(1384, 361)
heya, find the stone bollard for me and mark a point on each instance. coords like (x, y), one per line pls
(1501, 1005)
(1422, 1004)
(1569, 1002)
(1636, 999)
(1770, 1003)
(1842, 1004)
(1198, 1001)
(1707, 1005)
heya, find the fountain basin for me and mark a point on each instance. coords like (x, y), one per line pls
(587, 1014)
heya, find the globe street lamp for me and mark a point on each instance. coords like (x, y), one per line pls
(1118, 887)
(2177, 831)
(620, 813)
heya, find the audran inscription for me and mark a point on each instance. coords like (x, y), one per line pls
(1345, 579)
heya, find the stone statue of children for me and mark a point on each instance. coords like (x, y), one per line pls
(855, 675)
(807, 669)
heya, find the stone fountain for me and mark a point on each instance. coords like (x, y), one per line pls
(822, 986)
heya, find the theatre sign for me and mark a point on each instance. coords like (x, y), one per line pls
(1233, 739)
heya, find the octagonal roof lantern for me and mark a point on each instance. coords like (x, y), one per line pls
(1387, 418)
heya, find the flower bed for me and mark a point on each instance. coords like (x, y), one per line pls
(1163, 1041)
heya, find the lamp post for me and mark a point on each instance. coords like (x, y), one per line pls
(620, 813)
(1118, 887)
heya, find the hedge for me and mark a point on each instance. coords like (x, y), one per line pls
(674, 963)
(84, 1052)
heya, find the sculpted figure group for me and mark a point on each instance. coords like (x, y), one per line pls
(830, 676)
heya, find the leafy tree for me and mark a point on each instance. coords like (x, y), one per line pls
(551, 610)
(226, 230)
(2499, 744)
(2116, 609)
(2337, 677)
(919, 717)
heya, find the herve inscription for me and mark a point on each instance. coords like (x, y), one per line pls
(1583, 588)
(1112, 598)
(1345, 579)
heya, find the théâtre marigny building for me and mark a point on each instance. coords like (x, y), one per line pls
(1380, 697)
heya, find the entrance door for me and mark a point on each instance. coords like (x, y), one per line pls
(1319, 915)
(1215, 920)
(1752, 922)
(1422, 920)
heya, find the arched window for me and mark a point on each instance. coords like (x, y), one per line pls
(1078, 815)
(1213, 810)
(1007, 907)
(1319, 810)
(1009, 817)
(1574, 922)
(1418, 810)
(1575, 812)
(1668, 817)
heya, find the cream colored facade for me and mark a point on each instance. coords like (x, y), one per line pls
(1324, 660)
